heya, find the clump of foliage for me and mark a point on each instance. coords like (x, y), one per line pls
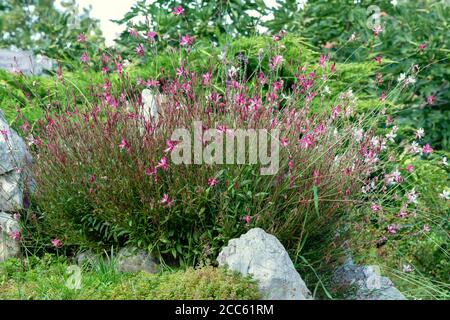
(208, 20)
(41, 27)
(207, 283)
(48, 277)
(413, 33)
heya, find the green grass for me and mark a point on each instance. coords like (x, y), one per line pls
(49, 277)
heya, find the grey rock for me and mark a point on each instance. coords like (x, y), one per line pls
(85, 257)
(131, 259)
(9, 248)
(24, 61)
(365, 282)
(15, 168)
(263, 256)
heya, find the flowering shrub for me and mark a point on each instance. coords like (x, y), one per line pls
(105, 175)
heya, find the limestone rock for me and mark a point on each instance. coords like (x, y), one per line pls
(264, 257)
(365, 282)
(15, 168)
(9, 247)
(25, 62)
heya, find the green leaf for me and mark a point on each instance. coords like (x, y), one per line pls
(316, 200)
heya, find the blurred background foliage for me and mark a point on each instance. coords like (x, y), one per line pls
(38, 25)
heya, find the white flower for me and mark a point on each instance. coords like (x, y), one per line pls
(414, 148)
(394, 2)
(393, 178)
(410, 80)
(412, 196)
(326, 90)
(125, 63)
(375, 141)
(445, 195)
(222, 56)
(352, 37)
(358, 134)
(444, 161)
(391, 135)
(401, 77)
(420, 133)
(232, 71)
(407, 268)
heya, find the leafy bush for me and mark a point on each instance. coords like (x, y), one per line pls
(413, 33)
(205, 283)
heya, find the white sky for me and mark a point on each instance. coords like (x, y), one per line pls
(104, 10)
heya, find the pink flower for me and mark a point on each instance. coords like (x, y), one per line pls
(56, 243)
(150, 171)
(119, 68)
(316, 176)
(307, 141)
(431, 99)
(212, 182)
(333, 67)
(151, 35)
(376, 30)
(107, 85)
(163, 163)
(290, 165)
(284, 142)
(14, 235)
(186, 41)
(402, 213)
(81, 38)
(420, 133)
(104, 58)
(152, 83)
(84, 57)
(170, 146)
(247, 219)
(275, 61)
(165, 200)
(178, 11)
(92, 178)
(322, 60)
(335, 112)
(426, 228)
(206, 78)
(427, 149)
(4, 133)
(133, 33)
(392, 229)
(377, 59)
(410, 168)
(422, 46)
(123, 144)
(375, 207)
(139, 50)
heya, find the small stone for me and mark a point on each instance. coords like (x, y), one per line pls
(134, 260)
